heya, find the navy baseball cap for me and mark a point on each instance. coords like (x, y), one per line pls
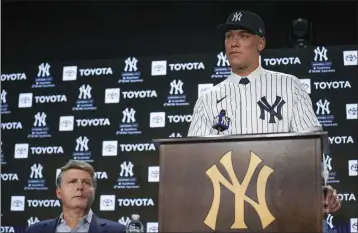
(244, 20)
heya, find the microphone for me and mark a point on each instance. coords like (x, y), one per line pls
(221, 122)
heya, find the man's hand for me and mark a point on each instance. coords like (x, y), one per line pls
(331, 202)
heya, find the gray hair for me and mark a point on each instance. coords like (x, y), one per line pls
(76, 164)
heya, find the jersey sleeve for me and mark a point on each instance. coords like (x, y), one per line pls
(303, 117)
(200, 124)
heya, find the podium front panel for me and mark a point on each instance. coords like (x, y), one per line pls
(271, 185)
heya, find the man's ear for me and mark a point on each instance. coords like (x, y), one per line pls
(261, 44)
(58, 193)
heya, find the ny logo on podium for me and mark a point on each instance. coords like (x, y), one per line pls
(239, 191)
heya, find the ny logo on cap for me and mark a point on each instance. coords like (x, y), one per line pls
(237, 16)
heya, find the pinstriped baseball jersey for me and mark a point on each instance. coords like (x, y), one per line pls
(272, 102)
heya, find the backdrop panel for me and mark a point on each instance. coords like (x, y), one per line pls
(107, 112)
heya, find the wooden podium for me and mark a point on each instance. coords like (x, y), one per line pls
(246, 183)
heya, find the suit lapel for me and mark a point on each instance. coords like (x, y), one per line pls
(50, 226)
(97, 225)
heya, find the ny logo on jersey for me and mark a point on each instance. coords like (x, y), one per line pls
(323, 107)
(265, 106)
(222, 60)
(128, 115)
(85, 92)
(44, 70)
(176, 87)
(131, 64)
(82, 143)
(237, 16)
(3, 96)
(40, 119)
(322, 53)
(126, 169)
(36, 171)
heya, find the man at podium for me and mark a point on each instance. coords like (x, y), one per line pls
(253, 100)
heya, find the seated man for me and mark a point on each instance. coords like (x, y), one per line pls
(76, 186)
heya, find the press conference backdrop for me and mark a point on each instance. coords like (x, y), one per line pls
(107, 112)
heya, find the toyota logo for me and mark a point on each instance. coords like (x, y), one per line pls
(70, 73)
(112, 95)
(21, 151)
(107, 202)
(354, 167)
(153, 229)
(24, 100)
(109, 148)
(158, 68)
(205, 89)
(66, 123)
(352, 111)
(355, 226)
(155, 173)
(351, 57)
(17, 203)
(157, 119)
(305, 85)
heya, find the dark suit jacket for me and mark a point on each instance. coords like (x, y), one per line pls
(98, 225)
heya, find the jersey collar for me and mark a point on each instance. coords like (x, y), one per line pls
(234, 78)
